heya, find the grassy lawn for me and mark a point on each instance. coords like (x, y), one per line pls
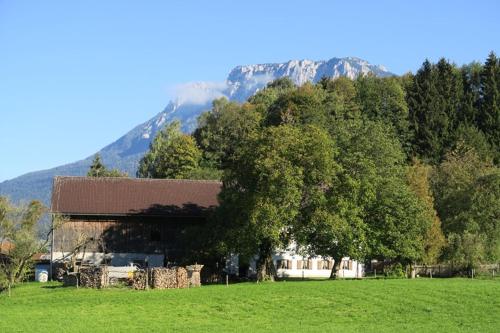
(446, 305)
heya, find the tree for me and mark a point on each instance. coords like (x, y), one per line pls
(369, 211)
(471, 96)
(276, 176)
(172, 154)
(469, 136)
(434, 241)
(383, 99)
(340, 102)
(467, 193)
(429, 121)
(450, 89)
(303, 105)
(20, 227)
(489, 116)
(221, 130)
(264, 98)
(98, 169)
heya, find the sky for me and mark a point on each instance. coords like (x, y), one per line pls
(76, 75)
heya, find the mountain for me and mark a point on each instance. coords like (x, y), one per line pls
(191, 100)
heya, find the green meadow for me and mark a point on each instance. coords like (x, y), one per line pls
(423, 305)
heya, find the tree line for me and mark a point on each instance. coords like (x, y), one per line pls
(403, 168)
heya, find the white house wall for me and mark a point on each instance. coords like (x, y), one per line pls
(356, 271)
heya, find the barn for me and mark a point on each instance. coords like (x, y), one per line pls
(123, 221)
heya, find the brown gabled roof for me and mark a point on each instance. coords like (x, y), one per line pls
(133, 196)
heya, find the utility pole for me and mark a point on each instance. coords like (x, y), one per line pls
(51, 268)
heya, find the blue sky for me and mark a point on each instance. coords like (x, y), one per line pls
(75, 76)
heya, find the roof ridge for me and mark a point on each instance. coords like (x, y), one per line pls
(142, 179)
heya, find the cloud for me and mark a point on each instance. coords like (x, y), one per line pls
(198, 93)
(261, 79)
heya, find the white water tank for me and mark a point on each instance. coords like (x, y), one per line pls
(41, 273)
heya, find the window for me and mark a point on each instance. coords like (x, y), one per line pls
(324, 264)
(283, 264)
(303, 264)
(347, 264)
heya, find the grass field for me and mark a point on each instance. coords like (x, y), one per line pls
(424, 305)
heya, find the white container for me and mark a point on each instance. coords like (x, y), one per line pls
(41, 273)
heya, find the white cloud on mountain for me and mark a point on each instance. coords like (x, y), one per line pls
(198, 93)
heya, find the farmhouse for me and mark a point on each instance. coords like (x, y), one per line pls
(123, 221)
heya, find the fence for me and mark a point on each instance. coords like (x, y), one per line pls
(449, 270)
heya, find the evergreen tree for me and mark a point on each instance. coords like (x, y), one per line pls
(449, 87)
(433, 104)
(98, 169)
(489, 116)
(425, 118)
(471, 82)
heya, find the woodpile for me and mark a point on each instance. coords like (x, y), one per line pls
(158, 278)
(161, 278)
(59, 269)
(140, 280)
(70, 280)
(164, 278)
(94, 277)
(182, 278)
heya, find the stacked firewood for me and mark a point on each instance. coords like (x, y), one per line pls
(70, 280)
(94, 277)
(182, 277)
(140, 280)
(161, 278)
(164, 278)
(59, 269)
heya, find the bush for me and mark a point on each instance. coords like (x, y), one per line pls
(395, 271)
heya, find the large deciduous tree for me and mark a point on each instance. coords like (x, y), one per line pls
(383, 99)
(172, 154)
(418, 175)
(467, 197)
(276, 176)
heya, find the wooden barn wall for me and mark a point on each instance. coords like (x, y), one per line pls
(127, 234)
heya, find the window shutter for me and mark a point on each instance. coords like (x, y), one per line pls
(289, 264)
